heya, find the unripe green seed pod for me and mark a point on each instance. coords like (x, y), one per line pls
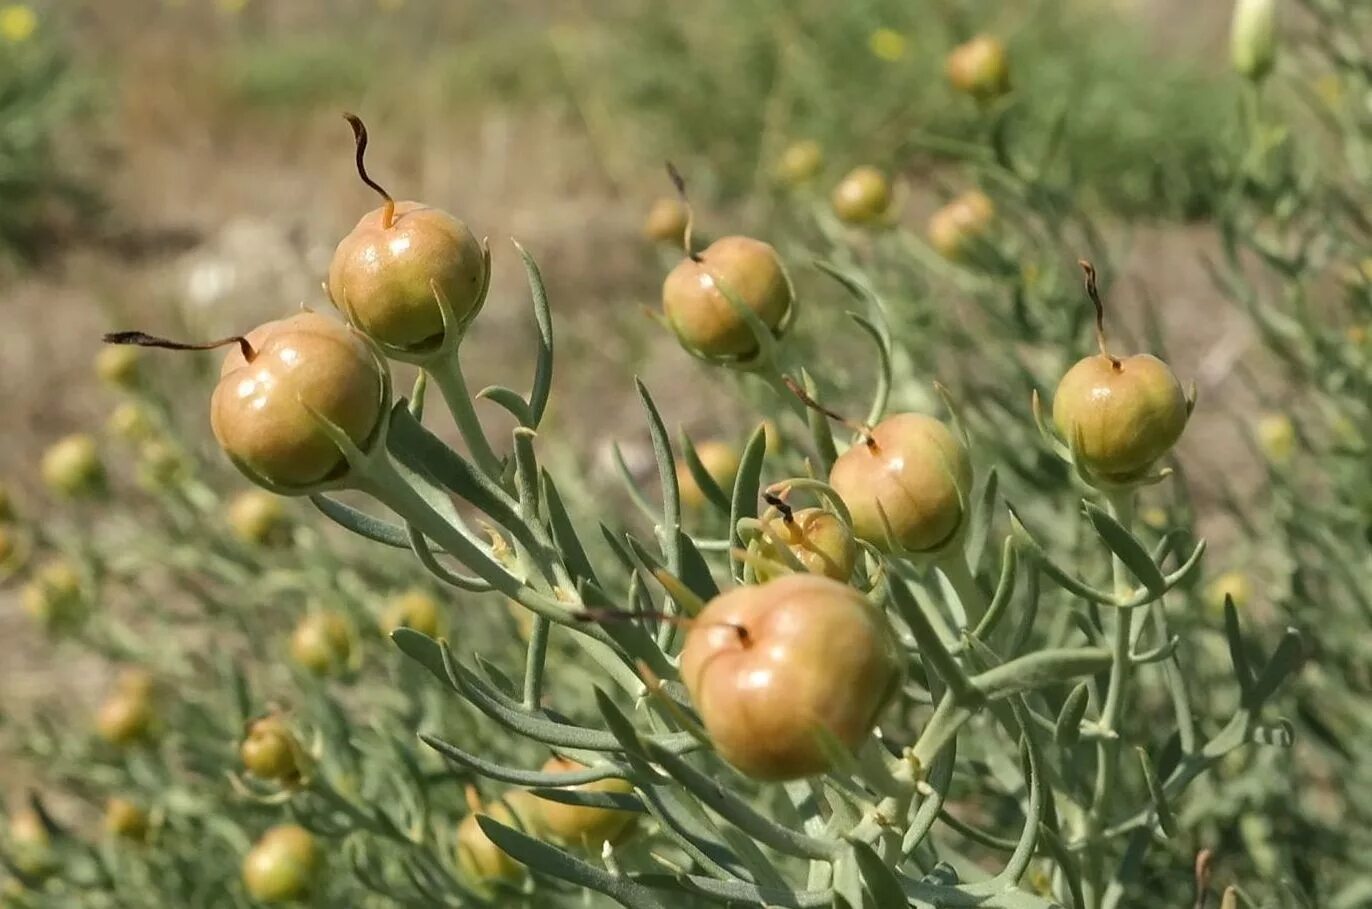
(768, 665)
(415, 609)
(979, 68)
(125, 820)
(1253, 38)
(257, 517)
(258, 410)
(862, 197)
(905, 485)
(721, 462)
(666, 222)
(820, 540)
(117, 365)
(701, 315)
(282, 865)
(800, 162)
(71, 467)
(323, 642)
(54, 597)
(161, 463)
(578, 825)
(385, 273)
(481, 860)
(269, 751)
(126, 716)
(1120, 415)
(956, 228)
(130, 421)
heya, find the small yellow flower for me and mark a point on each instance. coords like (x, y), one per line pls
(1276, 437)
(887, 44)
(1232, 584)
(18, 22)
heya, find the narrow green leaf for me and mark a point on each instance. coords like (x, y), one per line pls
(361, 523)
(711, 489)
(1287, 659)
(510, 400)
(1130, 550)
(743, 503)
(543, 318)
(425, 651)
(1166, 820)
(1067, 731)
(879, 880)
(590, 798)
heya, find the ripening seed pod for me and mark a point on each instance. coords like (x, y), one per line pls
(958, 227)
(257, 517)
(1232, 584)
(415, 609)
(161, 464)
(323, 642)
(1120, 415)
(698, 310)
(125, 820)
(482, 861)
(862, 197)
(117, 365)
(282, 865)
(905, 485)
(130, 421)
(979, 68)
(54, 596)
(259, 410)
(819, 540)
(800, 162)
(1253, 38)
(666, 222)
(270, 751)
(767, 665)
(72, 468)
(126, 716)
(390, 272)
(583, 826)
(721, 462)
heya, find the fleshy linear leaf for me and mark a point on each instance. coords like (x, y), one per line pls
(1131, 552)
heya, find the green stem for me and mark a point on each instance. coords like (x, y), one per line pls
(447, 374)
(1108, 749)
(537, 658)
(955, 569)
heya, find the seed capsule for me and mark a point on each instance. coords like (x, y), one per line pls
(323, 642)
(71, 467)
(414, 609)
(125, 820)
(282, 865)
(126, 716)
(118, 366)
(767, 665)
(666, 222)
(54, 596)
(701, 315)
(577, 825)
(257, 517)
(481, 860)
(1253, 38)
(905, 485)
(800, 162)
(819, 540)
(30, 844)
(1120, 415)
(979, 68)
(270, 752)
(862, 197)
(956, 228)
(259, 413)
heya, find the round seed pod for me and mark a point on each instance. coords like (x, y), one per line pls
(282, 865)
(767, 665)
(820, 541)
(54, 597)
(800, 162)
(269, 751)
(30, 844)
(72, 467)
(117, 365)
(582, 826)
(130, 421)
(323, 642)
(125, 820)
(415, 609)
(482, 861)
(259, 409)
(389, 271)
(1120, 415)
(126, 716)
(700, 314)
(257, 517)
(979, 68)
(905, 485)
(957, 227)
(862, 197)
(666, 222)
